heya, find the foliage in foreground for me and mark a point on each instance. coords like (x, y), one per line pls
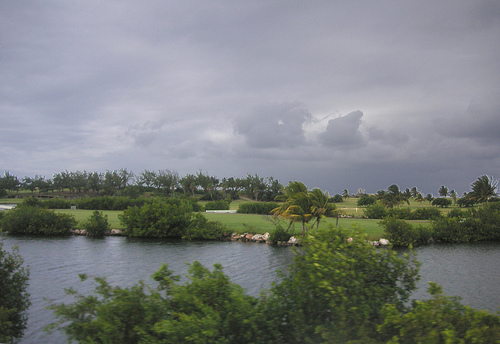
(335, 291)
(442, 319)
(14, 300)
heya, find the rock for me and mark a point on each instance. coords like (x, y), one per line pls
(258, 238)
(292, 241)
(384, 242)
(350, 240)
(248, 236)
(266, 236)
(116, 232)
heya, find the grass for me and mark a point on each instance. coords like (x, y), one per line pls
(260, 224)
(83, 215)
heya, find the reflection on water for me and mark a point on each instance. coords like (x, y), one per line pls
(468, 270)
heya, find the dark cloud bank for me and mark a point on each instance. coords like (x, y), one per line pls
(335, 94)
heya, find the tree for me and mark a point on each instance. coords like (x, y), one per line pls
(483, 189)
(345, 194)
(336, 289)
(453, 195)
(14, 300)
(393, 196)
(443, 191)
(414, 192)
(320, 206)
(296, 206)
(429, 197)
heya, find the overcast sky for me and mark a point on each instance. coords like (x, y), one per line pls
(337, 94)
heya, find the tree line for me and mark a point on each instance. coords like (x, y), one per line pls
(165, 182)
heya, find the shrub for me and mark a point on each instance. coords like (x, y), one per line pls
(263, 208)
(426, 214)
(441, 202)
(375, 211)
(56, 203)
(366, 200)
(14, 300)
(279, 234)
(440, 319)
(97, 225)
(400, 213)
(336, 199)
(28, 220)
(455, 212)
(202, 229)
(465, 202)
(335, 290)
(218, 205)
(400, 232)
(168, 218)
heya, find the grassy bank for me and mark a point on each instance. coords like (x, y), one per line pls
(251, 223)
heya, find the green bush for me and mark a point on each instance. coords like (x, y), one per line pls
(400, 232)
(202, 229)
(425, 214)
(403, 213)
(366, 200)
(14, 299)
(279, 234)
(169, 218)
(262, 208)
(375, 211)
(441, 202)
(28, 220)
(57, 203)
(441, 319)
(97, 225)
(336, 199)
(218, 205)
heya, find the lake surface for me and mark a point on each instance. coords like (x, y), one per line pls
(471, 271)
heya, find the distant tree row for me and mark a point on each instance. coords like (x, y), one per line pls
(165, 182)
(483, 189)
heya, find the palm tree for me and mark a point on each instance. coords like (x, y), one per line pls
(443, 191)
(320, 206)
(483, 189)
(296, 204)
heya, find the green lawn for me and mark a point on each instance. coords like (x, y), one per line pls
(241, 223)
(83, 215)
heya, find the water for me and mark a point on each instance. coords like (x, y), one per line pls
(468, 270)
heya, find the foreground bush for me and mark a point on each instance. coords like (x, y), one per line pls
(14, 300)
(442, 319)
(336, 291)
(32, 220)
(208, 309)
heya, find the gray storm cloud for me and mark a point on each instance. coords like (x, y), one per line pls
(274, 126)
(344, 132)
